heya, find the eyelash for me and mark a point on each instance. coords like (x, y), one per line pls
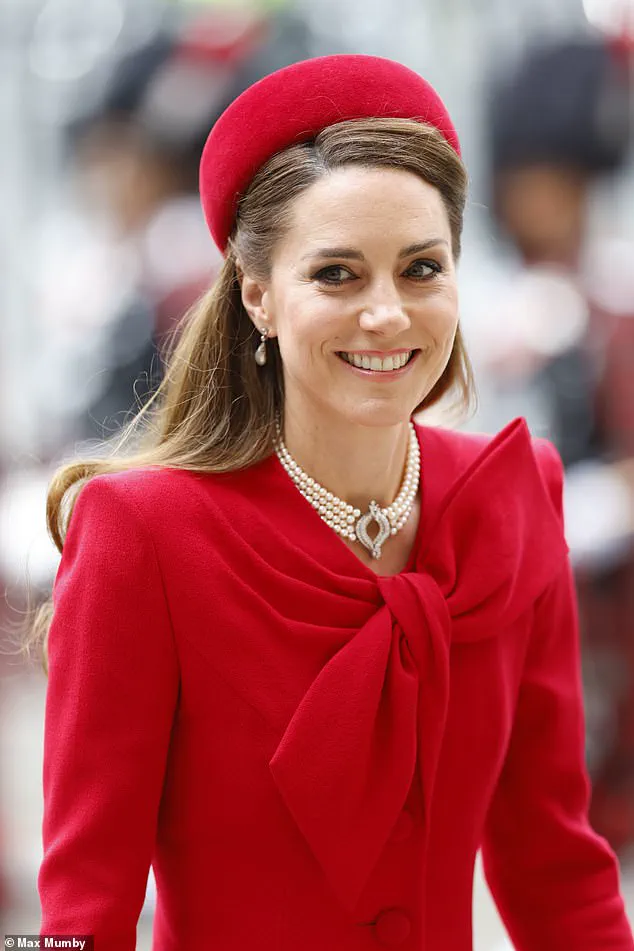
(436, 268)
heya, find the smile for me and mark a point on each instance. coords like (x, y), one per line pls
(373, 365)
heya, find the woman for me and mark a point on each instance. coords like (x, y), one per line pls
(307, 673)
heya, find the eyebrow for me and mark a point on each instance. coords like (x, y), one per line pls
(351, 255)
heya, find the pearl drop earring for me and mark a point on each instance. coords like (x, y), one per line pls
(260, 353)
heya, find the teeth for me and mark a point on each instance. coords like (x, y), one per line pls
(376, 363)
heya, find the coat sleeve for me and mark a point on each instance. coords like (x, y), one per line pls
(111, 698)
(555, 882)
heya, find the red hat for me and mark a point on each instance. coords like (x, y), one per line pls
(294, 104)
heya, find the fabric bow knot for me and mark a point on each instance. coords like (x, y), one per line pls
(378, 708)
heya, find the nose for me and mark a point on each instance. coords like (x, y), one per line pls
(383, 312)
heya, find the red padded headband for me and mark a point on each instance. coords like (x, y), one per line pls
(293, 105)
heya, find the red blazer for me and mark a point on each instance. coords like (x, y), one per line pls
(311, 755)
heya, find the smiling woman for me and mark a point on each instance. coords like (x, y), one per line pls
(308, 656)
(347, 280)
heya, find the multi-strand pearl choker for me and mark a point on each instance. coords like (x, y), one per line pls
(350, 522)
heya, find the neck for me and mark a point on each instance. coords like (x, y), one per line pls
(356, 463)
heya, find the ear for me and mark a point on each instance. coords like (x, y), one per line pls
(255, 298)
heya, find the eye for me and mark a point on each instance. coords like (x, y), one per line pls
(421, 264)
(336, 274)
(332, 274)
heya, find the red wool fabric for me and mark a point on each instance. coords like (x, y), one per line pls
(293, 105)
(309, 754)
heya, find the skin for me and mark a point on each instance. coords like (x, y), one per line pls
(346, 429)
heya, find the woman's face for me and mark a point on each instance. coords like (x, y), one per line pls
(365, 274)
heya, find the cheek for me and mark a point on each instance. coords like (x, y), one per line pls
(308, 325)
(440, 318)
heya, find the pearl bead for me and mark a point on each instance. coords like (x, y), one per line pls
(340, 515)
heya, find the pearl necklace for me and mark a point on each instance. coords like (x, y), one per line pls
(344, 519)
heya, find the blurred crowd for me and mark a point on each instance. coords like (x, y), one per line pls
(547, 295)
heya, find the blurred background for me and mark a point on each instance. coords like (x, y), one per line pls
(105, 107)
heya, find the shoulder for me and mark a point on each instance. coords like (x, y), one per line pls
(551, 469)
(150, 495)
(164, 501)
(126, 522)
(512, 451)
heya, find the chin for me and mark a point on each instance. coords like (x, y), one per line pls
(377, 416)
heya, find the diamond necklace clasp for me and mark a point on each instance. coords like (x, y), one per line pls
(374, 514)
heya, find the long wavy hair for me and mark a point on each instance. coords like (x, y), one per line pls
(215, 409)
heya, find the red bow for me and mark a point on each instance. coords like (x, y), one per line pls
(347, 758)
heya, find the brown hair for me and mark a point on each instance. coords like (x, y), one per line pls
(215, 409)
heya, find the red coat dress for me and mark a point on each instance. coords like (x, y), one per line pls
(311, 755)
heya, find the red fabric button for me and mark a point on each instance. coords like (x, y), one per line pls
(403, 828)
(392, 927)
